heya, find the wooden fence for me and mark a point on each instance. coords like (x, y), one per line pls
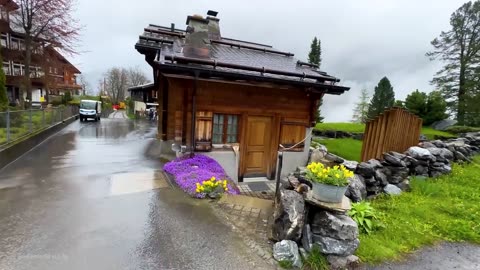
(394, 130)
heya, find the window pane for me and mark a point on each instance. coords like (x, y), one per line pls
(232, 129)
(217, 128)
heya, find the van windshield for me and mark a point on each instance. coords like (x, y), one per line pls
(88, 105)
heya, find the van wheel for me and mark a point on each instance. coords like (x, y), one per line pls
(81, 119)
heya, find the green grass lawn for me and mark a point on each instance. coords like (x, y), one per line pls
(346, 148)
(444, 209)
(359, 128)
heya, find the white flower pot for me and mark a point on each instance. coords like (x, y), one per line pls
(328, 193)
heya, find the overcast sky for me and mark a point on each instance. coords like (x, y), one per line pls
(362, 40)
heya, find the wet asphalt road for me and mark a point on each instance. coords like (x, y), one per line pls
(60, 208)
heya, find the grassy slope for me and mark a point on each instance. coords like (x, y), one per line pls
(359, 128)
(346, 148)
(445, 209)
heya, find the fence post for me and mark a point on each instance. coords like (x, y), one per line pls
(43, 118)
(30, 124)
(8, 125)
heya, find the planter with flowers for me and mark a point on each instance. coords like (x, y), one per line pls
(328, 184)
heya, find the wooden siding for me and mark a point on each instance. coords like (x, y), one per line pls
(289, 109)
(394, 130)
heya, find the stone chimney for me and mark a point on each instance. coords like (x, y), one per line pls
(213, 25)
(199, 33)
(197, 42)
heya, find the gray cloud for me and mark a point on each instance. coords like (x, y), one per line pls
(362, 41)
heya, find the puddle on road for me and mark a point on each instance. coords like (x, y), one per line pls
(126, 183)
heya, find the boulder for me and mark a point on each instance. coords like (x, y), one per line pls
(420, 153)
(341, 207)
(294, 182)
(443, 124)
(287, 250)
(343, 262)
(440, 169)
(289, 216)
(307, 241)
(393, 160)
(439, 144)
(381, 177)
(357, 190)
(373, 190)
(367, 169)
(426, 145)
(456, 143)
(337, 226)
(328, 245)
(404, 186)
(421, 170)
(317, 155)
(392, 190)
(396, 174)
(333, 158)
(351, 165)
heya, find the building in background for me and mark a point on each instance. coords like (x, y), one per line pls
(50, 72)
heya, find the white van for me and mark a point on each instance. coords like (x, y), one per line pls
(90, 109)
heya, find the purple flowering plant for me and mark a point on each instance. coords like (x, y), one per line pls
(188, 171)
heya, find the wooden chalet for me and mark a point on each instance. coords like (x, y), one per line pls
(239, 102)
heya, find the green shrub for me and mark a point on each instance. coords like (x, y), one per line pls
(365, 216)
(462, 129)
(285, 264)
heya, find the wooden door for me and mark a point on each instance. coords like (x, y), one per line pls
(257, 153)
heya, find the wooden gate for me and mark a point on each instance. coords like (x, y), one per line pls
(394, 130)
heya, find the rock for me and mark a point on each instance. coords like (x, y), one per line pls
(341, 207)
(370, 181)
(307, 241)
(328, 245)
(303, 253)
(317, 155)
(392, 190)
(393, 160)
(396, 174)
(421, 170)
(460, 157)
(426, 145)
(351, 165)
(456, 143)
(420, 153)
(333, 158)
(287, 250)
(289, 216)
(443, 124)
(356, 189)
(337, 226)
(300, 172)
(440, 169)
(422, 138)
(410, 161)
(381, 177)
(285, 184)
(293, 181)
(404, 186)
(367, 169)
(439, 144)
(343, 262)
(373, 190)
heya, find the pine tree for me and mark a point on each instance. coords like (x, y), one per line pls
(3, 89)
(436, 108)
(383, 98)
(315, 57)
(360, 112)
(459, 49)
(416, 103)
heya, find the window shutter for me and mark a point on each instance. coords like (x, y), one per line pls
(293, 132)
(203, 132)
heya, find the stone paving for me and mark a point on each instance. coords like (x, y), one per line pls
(249, 218)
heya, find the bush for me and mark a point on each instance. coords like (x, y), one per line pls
(462, 129)
(365, 216)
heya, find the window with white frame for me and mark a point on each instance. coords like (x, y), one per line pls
(6, 68)
(18, 69)
(4, 40)
(15, 43)
(3, 13)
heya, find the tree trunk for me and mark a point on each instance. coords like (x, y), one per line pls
(461, 97)
(28, 60)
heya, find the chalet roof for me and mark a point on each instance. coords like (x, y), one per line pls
(232, 58)
(142, 87)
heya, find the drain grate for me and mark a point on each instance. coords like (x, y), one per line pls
(258, 186)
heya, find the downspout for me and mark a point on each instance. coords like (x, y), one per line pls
(194, 111)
